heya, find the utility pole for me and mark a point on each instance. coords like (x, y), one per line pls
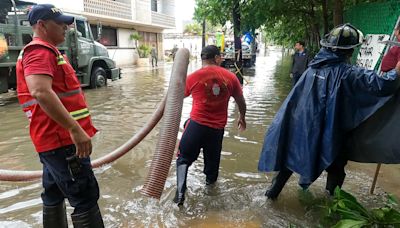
(238, 42)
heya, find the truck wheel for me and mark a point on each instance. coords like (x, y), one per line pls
(98, 78)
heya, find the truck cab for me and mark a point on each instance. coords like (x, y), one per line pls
(89, 58)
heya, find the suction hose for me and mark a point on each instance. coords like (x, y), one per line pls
(17, 175)
(163, 155)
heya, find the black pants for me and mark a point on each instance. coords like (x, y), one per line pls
(295, 78)
(337, 166)
(81, 190)
(196, 137)
(153, 59)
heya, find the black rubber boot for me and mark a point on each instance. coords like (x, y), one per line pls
(278, 183)
(333, 180)
(181, 174)
(88, 219)
(55, 216)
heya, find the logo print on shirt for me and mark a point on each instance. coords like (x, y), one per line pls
(216, 89)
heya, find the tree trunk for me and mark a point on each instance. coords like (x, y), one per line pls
(238, 43)
(338, 13)
(325, 15)
(203, 35)
(315, 26)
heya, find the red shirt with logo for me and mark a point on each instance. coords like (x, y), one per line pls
(42, 58)
(211, 88)
(391, 58)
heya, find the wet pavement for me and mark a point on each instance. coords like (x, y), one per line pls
(124, 106)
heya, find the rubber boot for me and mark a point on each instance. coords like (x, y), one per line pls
(55, 216)
(333, 180)
(278, 183)
(181, 174)
(88, 219)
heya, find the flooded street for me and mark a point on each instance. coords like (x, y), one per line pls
(124, 106)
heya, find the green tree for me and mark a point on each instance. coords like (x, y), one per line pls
(282, 21)
(135, 36)
(193, 29)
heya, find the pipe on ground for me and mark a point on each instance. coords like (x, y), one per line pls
(165, 148)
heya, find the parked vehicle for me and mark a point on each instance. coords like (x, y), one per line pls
(228, 56)
(89, 58)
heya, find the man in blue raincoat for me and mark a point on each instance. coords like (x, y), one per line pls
(307, 134)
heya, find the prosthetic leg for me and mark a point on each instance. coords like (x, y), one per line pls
(181, 175)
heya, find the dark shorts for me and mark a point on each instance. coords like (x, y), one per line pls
(196, 137)
(82, 190)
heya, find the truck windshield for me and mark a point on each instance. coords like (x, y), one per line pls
(83, 28)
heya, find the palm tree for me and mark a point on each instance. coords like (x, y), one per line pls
(136, 37)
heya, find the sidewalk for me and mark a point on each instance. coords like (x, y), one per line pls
(135, 68)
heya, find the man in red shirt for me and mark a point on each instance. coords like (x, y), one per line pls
(211, 88)
(60, 125)
(390, 60)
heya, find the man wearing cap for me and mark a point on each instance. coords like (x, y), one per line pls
(331, 99)
(60, 124)
(211, 88)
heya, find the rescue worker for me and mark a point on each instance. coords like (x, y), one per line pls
(393, 56)
(330, 99)
(211, 88)
(60, 124)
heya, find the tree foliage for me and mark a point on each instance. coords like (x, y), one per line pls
(282, 21)
(193, 29)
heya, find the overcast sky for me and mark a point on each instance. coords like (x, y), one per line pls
(184, 9)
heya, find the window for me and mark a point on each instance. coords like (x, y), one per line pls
(108, 35)
(82, 27)
(154, 5)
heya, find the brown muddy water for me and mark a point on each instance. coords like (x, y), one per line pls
(124, 106)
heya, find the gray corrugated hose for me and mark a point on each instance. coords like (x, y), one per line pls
(163, 155)
(179, 69)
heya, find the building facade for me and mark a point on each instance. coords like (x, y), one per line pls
(118, 19)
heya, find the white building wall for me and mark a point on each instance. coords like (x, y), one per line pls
(193, 43)
(76, 7)
(125, 54)
(168, 7)
(143, 11)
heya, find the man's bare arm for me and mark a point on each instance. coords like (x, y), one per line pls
(40, 87)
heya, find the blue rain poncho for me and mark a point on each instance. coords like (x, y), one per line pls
(330, 99)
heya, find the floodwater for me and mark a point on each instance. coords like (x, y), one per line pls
(124, 106)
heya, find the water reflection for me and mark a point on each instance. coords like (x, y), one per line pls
(122, 108)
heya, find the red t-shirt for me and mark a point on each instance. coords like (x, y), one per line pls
(211, 87)
(41, 60)
(47, 134)
(390, 60)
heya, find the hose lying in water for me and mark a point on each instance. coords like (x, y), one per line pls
(162, 158)
(16, 175)
(165, 148)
